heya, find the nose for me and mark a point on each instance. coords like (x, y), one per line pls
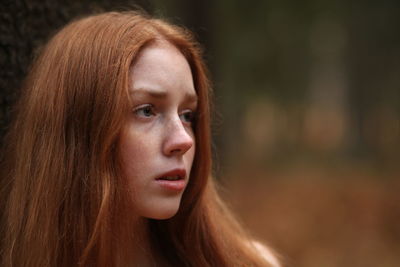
(178, 139)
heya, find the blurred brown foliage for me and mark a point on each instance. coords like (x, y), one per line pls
(317, 217)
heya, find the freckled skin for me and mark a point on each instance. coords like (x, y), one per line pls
(161, 140)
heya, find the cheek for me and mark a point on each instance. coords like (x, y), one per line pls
(190, 156)
(134, 152)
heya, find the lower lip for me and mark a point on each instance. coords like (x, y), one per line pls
(176, 185)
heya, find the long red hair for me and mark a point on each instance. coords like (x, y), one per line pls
(65, 195)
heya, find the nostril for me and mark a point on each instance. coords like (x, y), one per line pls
(181, 147)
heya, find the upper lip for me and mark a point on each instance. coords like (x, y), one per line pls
(175, 172)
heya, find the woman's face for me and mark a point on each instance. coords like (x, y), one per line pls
(158, 144)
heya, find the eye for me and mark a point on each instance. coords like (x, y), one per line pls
(187, 116)
(145, 111)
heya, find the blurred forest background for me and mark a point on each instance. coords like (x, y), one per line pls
(307, 113)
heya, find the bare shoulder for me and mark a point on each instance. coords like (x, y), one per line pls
(266, 253)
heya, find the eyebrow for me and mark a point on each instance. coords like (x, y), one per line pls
(161, 94)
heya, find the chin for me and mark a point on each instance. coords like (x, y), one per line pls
(165, 215)
(163, 212)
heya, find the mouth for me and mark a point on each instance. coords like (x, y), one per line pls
(173, 175)
(170, 178)
(174, 180)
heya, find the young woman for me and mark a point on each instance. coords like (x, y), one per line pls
(108, 160)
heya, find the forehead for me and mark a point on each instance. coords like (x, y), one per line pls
(158, 50)
(163, 66)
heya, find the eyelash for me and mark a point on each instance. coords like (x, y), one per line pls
(146, 111)
(145, 108)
